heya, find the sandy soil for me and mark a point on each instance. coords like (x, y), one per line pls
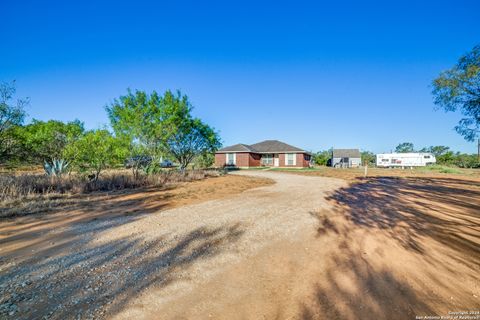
(39, 252)
(303, 248)
(389, 249)
(353, 174)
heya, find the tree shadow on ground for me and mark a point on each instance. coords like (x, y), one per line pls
(95, 212)
(431, 220)
(100, 279)
(409, 209)
(51, 264)
(355, 289)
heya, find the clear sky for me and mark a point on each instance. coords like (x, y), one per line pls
(312, 74)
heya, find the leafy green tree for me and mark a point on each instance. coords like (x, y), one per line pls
(205, 160)
(445, 156)
(12, 115)
(47, 140)
(137, 118)
(448, 157)
(162, 126)
(436, 150)
(321, 157)
(12, 150)
(368, 158)
(404, 147)
(459, 89)
(183, 136)
(95, 151)
(466, 160)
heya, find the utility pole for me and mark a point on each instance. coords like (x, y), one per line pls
(478, 151)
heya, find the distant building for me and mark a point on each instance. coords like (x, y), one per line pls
(346, 158)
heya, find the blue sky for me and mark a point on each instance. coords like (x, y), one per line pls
(312, 74)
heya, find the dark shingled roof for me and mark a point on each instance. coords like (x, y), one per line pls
(240, 147)
(267, 146)
(271, 146)
(346, 153)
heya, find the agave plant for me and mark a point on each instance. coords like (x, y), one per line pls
(56, 168)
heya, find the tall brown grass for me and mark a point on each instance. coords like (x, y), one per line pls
(16, 188)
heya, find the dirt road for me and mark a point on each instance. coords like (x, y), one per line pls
(303, 248)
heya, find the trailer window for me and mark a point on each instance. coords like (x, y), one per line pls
(426, 157)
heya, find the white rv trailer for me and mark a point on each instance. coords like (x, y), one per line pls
(405, 159)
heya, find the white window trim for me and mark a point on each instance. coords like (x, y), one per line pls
(294, 159)
(270, 157)
(234, 158)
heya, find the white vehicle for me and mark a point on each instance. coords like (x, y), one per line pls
(388, 160)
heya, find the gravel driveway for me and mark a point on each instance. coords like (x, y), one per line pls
(129, 268)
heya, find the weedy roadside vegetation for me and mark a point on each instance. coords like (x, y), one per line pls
(39, 190)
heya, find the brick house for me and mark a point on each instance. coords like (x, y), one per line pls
(269, 153)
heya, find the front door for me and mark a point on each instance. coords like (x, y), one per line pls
(276, 160)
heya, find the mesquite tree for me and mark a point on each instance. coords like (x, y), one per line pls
(459, 89)
(12, 114)
(162, 126)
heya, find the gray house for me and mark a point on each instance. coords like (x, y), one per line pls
(346, 158)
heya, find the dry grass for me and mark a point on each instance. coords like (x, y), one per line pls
(32, 192)
(353, 174)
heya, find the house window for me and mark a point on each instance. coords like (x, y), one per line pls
(290, 159)
(267, 159)
(231, 159)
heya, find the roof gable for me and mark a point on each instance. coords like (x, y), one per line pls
(272, 146)
(240, 147)
(346, 153)
(267, 146)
